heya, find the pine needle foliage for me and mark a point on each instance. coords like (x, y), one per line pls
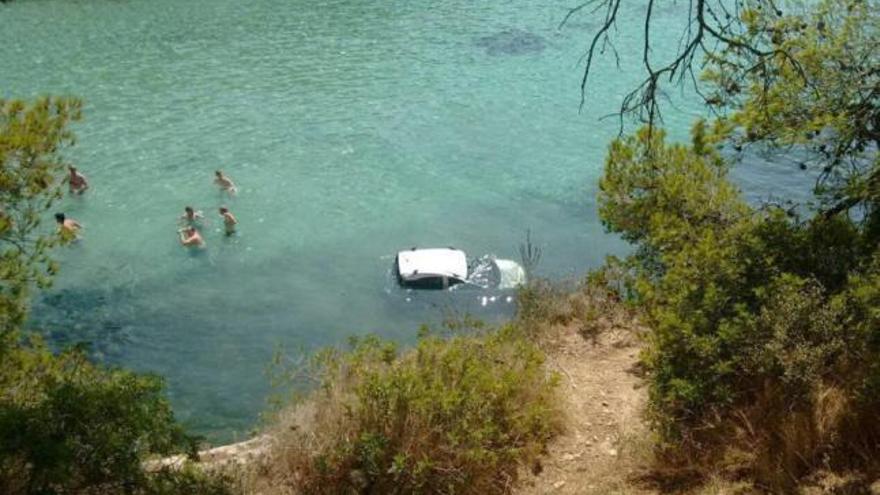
(757, 316)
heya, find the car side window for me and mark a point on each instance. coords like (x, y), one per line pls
(427, 283)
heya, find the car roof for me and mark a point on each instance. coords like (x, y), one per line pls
(415, 263)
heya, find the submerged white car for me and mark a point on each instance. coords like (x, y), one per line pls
(445, 268)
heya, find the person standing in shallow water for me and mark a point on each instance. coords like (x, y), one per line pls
(229, 220)
(191, 216)
(225, 183)
(77, 181)
(190, 237)
(68, 228)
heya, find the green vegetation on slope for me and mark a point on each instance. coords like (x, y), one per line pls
(765, 321)
(758, 320)
(458, 415)
(68, 426)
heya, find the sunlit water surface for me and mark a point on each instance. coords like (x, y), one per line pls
(353, 129)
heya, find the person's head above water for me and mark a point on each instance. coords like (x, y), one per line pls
(189, 210)
(59, 217)
(71, 168)
(190, 230)
(223, 210)
(218, 173)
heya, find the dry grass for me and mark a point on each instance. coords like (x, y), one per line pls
(546, 309)
(458, 415)
(772, 446)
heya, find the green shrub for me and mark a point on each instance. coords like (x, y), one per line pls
(68, 426)
(454, 416)
(758, 320)
(188, 481)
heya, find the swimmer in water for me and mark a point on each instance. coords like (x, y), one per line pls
(191, 216)
(68, 228)
(229, 220)
(190, 237)
(225, 183)
(77, 181)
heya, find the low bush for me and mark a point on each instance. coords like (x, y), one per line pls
(189, 480)
(457, 415)
(69, 426)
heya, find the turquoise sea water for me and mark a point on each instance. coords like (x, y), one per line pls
(352, 128)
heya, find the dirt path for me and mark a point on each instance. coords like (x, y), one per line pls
(605, 437)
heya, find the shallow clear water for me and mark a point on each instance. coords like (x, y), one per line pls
(353, 129)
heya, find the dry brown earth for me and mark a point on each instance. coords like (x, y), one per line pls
(603, 400)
